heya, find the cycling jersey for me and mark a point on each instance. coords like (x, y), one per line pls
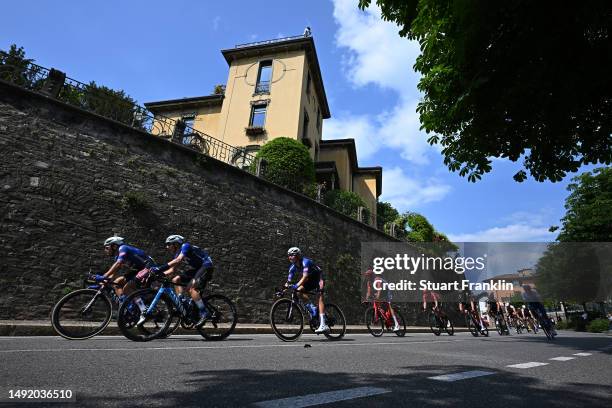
(493, 308)
(194, 256)
(308, 268)
(133, 257)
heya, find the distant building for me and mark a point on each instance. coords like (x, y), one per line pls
(274, 89)
(518, 279)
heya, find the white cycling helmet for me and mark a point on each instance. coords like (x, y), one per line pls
(113, 241)
(175, 239)
(294, 251)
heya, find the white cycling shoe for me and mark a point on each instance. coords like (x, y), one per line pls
(396, 328)
(322, 329)
(142, 320)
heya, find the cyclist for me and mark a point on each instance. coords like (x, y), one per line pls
(535, 306)
(467, 305)
(431, 296)
(195, 278)
(312, 280)
(376, 281)
(496, 311)
(125, 256)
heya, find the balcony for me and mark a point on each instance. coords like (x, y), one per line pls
(262, 87)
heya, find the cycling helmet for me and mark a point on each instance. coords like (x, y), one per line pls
(113, 241)
(175, 239)
(294, 251)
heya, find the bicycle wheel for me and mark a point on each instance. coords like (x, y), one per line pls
(336, 322)
(81, 314)
(222, 318)
(155, 326)
(175, 322)
(499, 327)
(434, 324)
(448, 326)
(374, 322)
(472, 325)
(402, 324)
(287, 320)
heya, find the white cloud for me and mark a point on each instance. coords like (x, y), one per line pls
(376, 54)
(216, 21)
(406, 193)
(508, 233)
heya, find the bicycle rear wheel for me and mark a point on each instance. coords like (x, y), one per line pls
(157, 323)
(336, 322)
(81, 314)
(222, 318)
(287, 320)
(374, 322)
(402, 324)
(434, 324)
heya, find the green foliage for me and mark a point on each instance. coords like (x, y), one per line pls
(288, 163)
(105, 102)
(16, 68)
(501, 79)
(598, 326)
(219, 90)
(516, 300)
(135, 201)
(385, 214)
(414, 227)
(588, 216)
(346, 202)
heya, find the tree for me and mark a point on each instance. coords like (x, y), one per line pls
(288, 163)
(512, 79)
(346, 202)
(385, 214)
(588, 216)
(15, 67)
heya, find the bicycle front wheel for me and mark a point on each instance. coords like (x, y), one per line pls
(472, 325)
(222, 318)
(81, 314)
(157, 323)
(287, 320)
(336, 322)
(374, 322)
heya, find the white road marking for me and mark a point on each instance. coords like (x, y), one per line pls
(582, 354)
(347, 344)
(527, 365)
(461, 376)
(562, 358)
(322, 398)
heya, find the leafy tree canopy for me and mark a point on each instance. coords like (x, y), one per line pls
(346, 202)
(512, 79)
(385, 214)
(288, 163)
(588, 216)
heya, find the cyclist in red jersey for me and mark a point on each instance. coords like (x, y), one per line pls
(375, 283)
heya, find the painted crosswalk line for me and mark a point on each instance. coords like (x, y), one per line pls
(527, 365)
(322, 398)
(461, 376)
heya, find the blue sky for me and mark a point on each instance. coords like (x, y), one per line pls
(163, 50)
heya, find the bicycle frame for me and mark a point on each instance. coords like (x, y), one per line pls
(383, 311)
(166, 289)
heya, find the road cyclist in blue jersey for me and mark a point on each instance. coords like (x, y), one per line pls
(311, 280)
(126, 256)
(195, 278)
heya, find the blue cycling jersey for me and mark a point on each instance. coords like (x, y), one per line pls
(133, 257)
(306, 267)
(194, 256)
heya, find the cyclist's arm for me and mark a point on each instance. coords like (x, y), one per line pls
(174, 263)
(113, 269)
(302, 280)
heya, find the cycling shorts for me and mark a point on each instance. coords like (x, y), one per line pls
(314, 283)
(201, 277)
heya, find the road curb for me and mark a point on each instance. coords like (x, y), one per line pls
(21, 328)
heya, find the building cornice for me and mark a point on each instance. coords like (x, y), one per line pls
(193, 102)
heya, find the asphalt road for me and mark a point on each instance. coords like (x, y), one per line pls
(259, 370)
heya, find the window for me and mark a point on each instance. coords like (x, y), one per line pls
(188, 121)
(264, 77)
(305, 127)
(258, 116)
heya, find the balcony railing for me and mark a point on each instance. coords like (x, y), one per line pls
(262, 87)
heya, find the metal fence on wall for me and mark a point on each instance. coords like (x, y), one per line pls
(121, 108)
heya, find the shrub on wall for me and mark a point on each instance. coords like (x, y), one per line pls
(346, 202)
(288, 164)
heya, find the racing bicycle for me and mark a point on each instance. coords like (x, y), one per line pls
(378, 318)
(287, 317)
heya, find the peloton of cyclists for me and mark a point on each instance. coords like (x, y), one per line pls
(374, 281)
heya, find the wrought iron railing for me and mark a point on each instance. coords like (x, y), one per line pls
(262, 87)
(118, 107)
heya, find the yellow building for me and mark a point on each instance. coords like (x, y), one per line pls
(274, 89)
